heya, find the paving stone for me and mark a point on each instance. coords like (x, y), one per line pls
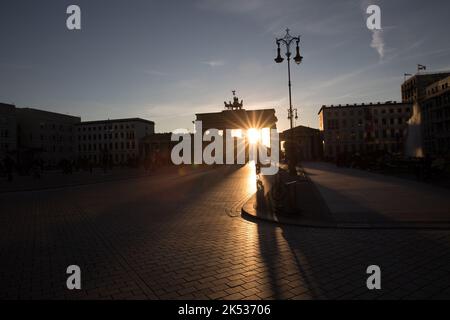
(166, 237)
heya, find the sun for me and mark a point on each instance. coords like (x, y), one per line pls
(253, 135)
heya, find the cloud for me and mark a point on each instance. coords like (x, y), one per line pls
(214, 63)
(378, 42)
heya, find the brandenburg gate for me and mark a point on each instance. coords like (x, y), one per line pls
(246, 123)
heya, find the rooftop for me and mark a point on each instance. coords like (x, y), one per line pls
(116, 121)
(359, 105)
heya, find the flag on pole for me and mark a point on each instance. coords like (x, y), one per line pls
(421, 67)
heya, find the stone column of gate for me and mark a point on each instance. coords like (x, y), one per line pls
(274, 127)
(224, 147)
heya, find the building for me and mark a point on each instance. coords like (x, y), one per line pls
(45, 135)
(435, 119)
(362, 128)
(415, 88)
(156, 149)
(28, 134)
(308, 142)
(429, 126)
(8, 131)
(112, 142)
(236, 118)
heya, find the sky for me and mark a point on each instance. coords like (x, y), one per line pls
(167, 60)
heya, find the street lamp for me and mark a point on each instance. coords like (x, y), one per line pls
(288, 41)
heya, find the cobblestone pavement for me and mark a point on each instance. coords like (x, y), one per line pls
(179, 236)
(362, 196)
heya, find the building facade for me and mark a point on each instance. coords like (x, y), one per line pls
(112, 142)
(363, 128)
(156, 149)
(435, 109)
(308, 142)
(8, 131)
(429, 126)
(414, 89)
(45, 136)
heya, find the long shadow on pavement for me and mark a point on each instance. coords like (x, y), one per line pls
(332, 263)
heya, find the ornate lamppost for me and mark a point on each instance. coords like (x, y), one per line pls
(288, 40)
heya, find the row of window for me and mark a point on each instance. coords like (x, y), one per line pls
(377, 134)
(436, 89)
(107, 127)
(336, 124)
(117, 157)
(54, 138)
(60, 127)
(438, 101)
(106, 136)
(107, 147)
(55, 148)
(344, 113)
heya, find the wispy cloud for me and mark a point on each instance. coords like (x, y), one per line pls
(214, 63)
(378, 42)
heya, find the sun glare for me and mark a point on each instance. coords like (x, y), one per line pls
(236, 133)
(253, 135)
(259, 136)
